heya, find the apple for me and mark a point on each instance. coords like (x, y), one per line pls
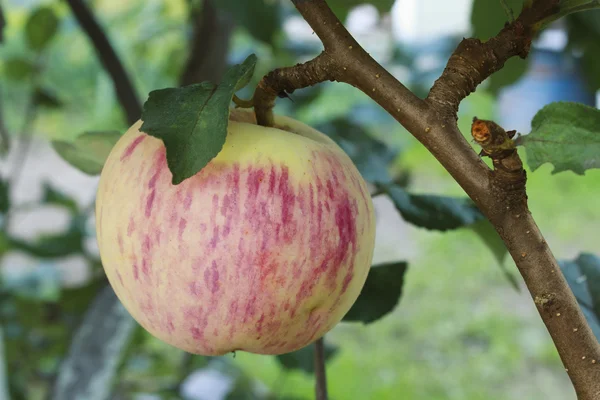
(264, 250)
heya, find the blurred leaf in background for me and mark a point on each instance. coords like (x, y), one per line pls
(41, 27)
(45, 342)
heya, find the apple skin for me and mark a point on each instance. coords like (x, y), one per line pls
(264, 250)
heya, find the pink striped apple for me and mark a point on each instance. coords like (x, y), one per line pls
(264, 250)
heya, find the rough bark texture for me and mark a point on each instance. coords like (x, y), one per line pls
(286, 80)
(499, 193)
(473, 61)
(110, 60)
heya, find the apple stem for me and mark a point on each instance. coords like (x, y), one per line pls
(320, 376)
(242, 103)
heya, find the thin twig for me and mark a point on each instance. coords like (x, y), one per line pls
(320, 375)
(286, 80)
(4, 135)
(2, 23)
(110, 60)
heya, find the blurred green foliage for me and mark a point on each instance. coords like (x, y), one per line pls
(436, 344)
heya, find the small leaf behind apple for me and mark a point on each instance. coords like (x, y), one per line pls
(89, 151)
(380, 294)
(433, 212)
(192, 120)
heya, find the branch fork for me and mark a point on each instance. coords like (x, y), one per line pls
(499, 192)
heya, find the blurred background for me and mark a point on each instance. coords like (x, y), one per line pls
(460, 331)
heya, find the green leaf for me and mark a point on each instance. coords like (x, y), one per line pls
(88, 152)
(192, 121)
(566, 135)
(5, 243)
(380, 294)
(486, 232)
(371, 156)
(76, 300)
(567, 7)
(341, 8)
(303, 359)
(54, 196)
(41, 27)
(584, 37)
(582, 276)
(18, 68)
(433, 212)
(261, 18)
(489, 16)
(4, 196)
(589, 265)
(512, 71)
(45, 98)
(90, 368)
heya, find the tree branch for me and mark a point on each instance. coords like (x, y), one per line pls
(286, 80)
(110, 60)
(209, 44)
(499, 193)
(348, 62)
(320, 375)
(474, 61)
(2, 23)
(4, 135)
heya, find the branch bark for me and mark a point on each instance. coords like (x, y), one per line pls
(110, 60)
(499, 193)
(2, 24)
(474, 61)
(211, 31)
(286, 80)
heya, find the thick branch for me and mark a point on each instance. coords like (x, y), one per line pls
(576, 344)
(500, 194)
(506, 207)
(351, 64)
(109, 59)
(209, 45)
(474, 61)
